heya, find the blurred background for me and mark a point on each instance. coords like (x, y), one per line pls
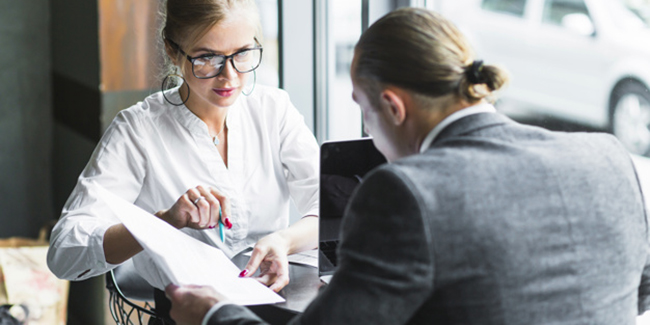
(68, 66)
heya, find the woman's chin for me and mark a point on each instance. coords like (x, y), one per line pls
(226, 101)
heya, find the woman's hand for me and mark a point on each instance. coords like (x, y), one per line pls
(190, 303)
(270, 253)
(270, 256)
(198, 208)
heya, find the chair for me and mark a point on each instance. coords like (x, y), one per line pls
(131, 297)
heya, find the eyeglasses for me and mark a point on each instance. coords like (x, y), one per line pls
(210, 65)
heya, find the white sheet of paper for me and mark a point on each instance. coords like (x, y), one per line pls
(182, 259)
(309, 258)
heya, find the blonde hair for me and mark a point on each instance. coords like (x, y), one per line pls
(186, 21)
(423, 52)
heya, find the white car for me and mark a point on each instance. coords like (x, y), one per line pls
(585, 61)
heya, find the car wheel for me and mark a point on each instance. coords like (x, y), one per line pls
(630, 117)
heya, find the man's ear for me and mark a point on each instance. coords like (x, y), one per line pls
(394, 102)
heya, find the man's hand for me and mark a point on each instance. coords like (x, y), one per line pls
(190, 303)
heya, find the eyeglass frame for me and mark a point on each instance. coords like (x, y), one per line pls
(225, 58)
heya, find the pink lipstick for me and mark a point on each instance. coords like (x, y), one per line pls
(224, 92)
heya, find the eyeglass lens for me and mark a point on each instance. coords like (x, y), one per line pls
(211, 65)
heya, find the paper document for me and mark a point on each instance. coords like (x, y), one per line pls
(309, 258)
(326, 278)
(182, 259)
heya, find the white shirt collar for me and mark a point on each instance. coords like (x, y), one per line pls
(479, 108)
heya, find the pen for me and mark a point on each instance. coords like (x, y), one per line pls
(223, 238)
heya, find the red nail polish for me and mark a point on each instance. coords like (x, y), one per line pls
(228, 223)
(211, 227)
(244, 272)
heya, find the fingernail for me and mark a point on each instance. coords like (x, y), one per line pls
(211, 227)
(228, 223)
(244, 272)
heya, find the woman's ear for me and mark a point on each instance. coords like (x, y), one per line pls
(393, 101)
(171, 53)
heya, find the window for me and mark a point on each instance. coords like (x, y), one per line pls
(338, 27)
(512, 7)
(556, 10)
(268, 72)
(633, 17)
(343, 118)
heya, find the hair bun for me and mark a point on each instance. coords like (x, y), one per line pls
(474, 73)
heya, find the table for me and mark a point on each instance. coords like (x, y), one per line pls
(302, 289)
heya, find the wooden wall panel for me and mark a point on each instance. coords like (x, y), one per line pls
(130, 50)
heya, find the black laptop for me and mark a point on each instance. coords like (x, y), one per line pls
(343, 164)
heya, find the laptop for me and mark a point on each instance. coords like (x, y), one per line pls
(343, 164)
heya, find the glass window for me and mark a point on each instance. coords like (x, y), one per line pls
(343, 118)
(565, 62)
(268, 72)
(634, 16)
(513, 7)
(556, 10)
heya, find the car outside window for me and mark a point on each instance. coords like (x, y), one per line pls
(512, 7)
(628, 18)
(556, 10)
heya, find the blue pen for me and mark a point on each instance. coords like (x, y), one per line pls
(223, 237)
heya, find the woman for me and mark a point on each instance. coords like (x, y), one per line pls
(477, 219)
(215, 148)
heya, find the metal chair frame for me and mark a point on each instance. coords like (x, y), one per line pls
(122, 308)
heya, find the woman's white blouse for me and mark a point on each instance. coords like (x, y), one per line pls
(153, 152)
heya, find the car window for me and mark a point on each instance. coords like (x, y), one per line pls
(556, 10)
(625, 17)
(513, 7)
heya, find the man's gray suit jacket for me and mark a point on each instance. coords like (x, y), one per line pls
(496, 223)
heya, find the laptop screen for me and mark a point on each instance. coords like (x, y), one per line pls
(343, 164)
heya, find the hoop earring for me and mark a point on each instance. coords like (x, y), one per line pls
(254, 82)
(162, 89)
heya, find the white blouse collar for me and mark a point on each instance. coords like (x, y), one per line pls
(192, 122)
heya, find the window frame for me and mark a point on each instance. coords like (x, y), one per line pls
(506, 12)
